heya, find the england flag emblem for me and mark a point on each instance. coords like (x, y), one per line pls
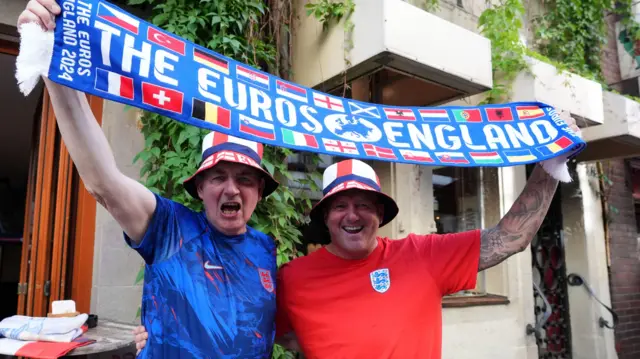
(380, 280)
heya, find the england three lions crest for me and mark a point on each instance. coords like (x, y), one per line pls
(380, 280)
(265, 279)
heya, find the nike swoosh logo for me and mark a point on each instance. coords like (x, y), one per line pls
(209, 266)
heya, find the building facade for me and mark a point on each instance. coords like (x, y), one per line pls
(541, 303)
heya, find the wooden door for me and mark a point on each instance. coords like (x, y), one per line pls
(59, 230)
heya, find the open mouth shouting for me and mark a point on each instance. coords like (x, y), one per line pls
(230, 209)
(352, 229)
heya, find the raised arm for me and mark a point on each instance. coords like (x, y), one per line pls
(517, 228)
(128, 201)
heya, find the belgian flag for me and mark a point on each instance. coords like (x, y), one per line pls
(211, 113)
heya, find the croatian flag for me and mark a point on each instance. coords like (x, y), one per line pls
(118, 18)
(112, 83)
(252, 77)
(257, 128)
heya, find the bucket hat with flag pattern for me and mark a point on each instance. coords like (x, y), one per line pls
(217, 147)
(352, 174)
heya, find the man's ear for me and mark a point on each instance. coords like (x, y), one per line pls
(199, 186)
(380, 211)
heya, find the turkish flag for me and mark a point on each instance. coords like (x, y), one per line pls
(162, 97)
(165, 40)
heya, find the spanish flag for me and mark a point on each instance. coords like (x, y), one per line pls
(529, 112)
(211, 113)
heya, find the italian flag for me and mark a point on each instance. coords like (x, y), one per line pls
(298, 139)
(486, 157)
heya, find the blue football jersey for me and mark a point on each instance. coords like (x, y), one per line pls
(206, 295)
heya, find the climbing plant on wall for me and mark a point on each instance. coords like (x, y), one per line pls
(255, 32)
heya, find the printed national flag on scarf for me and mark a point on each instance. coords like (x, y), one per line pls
(400, 114)
(211, 113)
(556, 146)
(291, 91)
(217, 63)
(485, 158)
(340, 146)
(529, 112)
(118, 18)
(298, 139)
(253, 77)
(328, 102)
(162, 98)
(380, 152)
(165, 40)
(516, 156)
(499, 114)
(111, 82)
(434, 115)
(257, 128)
(420, 156)
(467, 115)
(452, 157)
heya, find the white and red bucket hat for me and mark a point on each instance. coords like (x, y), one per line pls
(217, 147)
(347, 175)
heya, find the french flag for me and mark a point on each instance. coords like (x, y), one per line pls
(115, 84)
(118, 18)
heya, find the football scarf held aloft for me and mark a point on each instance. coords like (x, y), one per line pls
(102, 50)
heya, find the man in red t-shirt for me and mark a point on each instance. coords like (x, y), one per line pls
(363, 296)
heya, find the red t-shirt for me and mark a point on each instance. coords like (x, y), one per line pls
(331, 304)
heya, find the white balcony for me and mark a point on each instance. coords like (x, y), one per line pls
(619, 135)
(412, 47)
(562, 90)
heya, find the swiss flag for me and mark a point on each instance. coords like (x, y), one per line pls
(162, 97)
(165, 40)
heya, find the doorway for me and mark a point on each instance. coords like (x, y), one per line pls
(47, 218)
(19, 118)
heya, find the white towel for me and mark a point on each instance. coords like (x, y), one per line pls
(63, 330)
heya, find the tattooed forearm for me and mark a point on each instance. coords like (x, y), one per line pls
(516, 229)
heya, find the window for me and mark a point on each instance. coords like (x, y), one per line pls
(466, 199)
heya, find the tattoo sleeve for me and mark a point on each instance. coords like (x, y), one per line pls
(517, 228)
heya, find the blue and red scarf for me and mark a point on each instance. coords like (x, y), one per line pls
(102, 50)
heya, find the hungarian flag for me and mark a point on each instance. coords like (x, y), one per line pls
(485, 158)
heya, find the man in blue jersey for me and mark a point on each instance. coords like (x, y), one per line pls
(209, 289)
